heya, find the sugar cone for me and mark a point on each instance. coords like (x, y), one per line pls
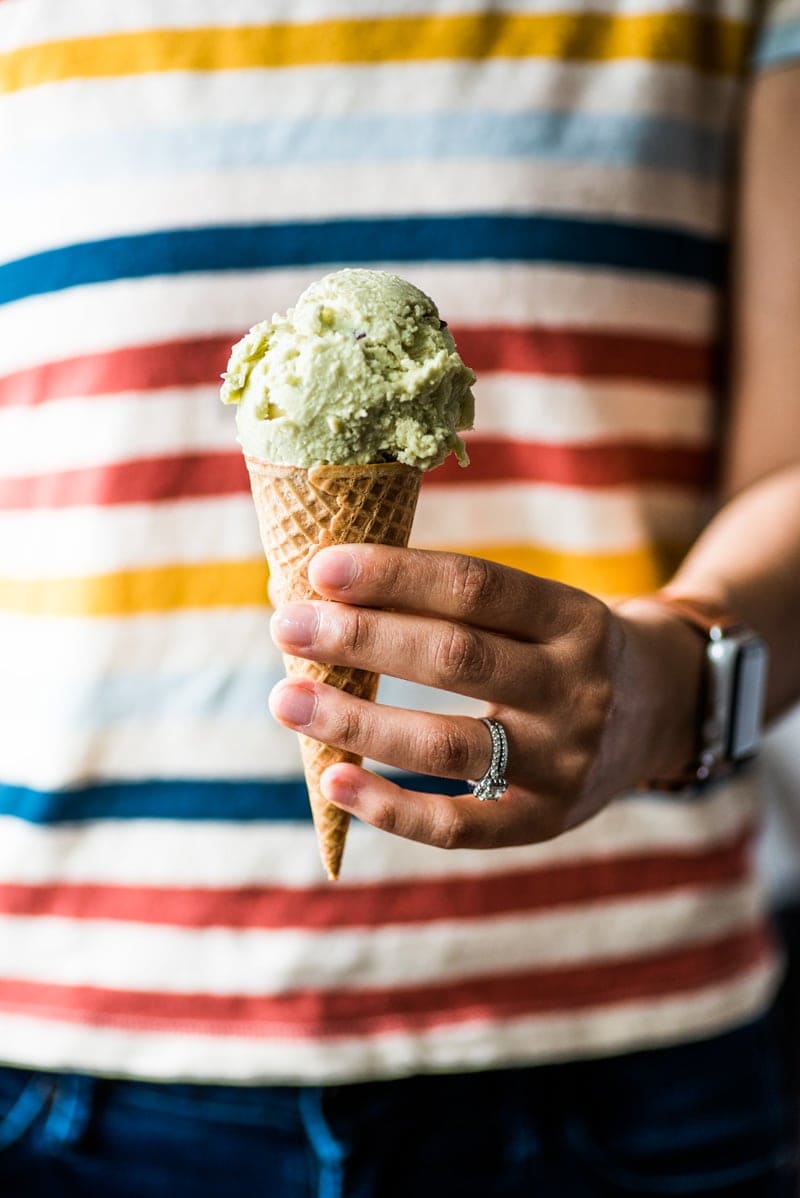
(299, 512)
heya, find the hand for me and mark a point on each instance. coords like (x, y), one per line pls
(561, 671)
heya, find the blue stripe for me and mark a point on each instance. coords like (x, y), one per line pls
(216, 800)
(203, 694)
(181, 799)
(778, 45)
(648, 249)
(649, 143)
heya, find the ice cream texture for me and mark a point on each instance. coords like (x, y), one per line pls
(361, 370)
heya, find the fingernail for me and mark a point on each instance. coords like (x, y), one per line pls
(295, 624)
(334, 568)
(295, 705)
(337, 790)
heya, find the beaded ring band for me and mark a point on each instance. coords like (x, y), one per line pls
(493, 784)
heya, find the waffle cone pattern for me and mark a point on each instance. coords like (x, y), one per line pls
(299, 512)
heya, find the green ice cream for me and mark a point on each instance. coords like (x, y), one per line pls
(361, 370)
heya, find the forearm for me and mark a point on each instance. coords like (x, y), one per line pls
(747, 562)
(748, 558)
(750, 554)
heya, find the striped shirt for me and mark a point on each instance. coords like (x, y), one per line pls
(557, 177)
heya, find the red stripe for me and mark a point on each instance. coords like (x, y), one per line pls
(419, 901)
(143, 480)
(544, 991)
(189, 362)
(608, 464)
(584, 353)
(191, 476)
(527, 349)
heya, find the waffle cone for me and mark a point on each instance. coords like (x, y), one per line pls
(299, 512)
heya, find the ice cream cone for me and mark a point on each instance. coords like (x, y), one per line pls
(301, 510)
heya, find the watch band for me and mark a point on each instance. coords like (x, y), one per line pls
(701, 614)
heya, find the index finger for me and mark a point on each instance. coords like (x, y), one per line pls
(470, 590)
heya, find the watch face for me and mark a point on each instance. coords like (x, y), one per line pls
(749, 694)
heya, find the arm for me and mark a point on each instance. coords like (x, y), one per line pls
(748, 559)
(593, 700)
(750, 555)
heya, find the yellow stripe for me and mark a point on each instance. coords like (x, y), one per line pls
(134, 592)
(635, 572)
(243, 584)
(709, 45)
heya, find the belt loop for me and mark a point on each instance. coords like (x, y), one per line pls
(30, 1104)
(329, 1151)
(70, 1111)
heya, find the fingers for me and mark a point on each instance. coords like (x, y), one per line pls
(466, 589)
(462, 822)
(438, 820)
(438, 653)
(422, 743)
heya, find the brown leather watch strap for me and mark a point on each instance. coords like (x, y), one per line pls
(701, 614)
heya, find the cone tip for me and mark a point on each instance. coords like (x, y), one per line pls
(332, 862)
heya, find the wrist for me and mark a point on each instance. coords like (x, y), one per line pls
(729, 698)
(734, 685)
(665, 668)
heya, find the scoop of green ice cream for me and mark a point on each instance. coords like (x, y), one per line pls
(361, 370)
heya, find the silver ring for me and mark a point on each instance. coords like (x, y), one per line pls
(493, 784)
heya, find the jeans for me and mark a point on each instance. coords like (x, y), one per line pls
(705, 1118)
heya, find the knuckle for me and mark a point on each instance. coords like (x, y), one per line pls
(385, 817)
(448, 752)
(351, 726)
(604, 623)
(595, 625)
(588, 685)
(584, 659)
(461, 655)
(474, 583)
(388, 568)
(452, 829)
(356, 631)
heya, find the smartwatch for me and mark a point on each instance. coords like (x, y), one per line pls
(733, 690)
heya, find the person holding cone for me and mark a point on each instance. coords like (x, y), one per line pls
(547, 966)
